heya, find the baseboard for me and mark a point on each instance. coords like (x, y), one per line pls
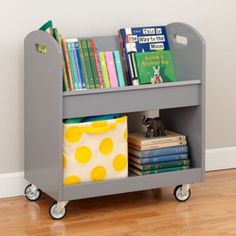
(13, 184)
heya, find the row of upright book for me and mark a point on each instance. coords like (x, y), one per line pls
(143, 57)
(157, 154)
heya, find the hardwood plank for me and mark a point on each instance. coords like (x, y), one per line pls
(210, 211)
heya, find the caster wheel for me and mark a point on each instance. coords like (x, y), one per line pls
(180, 196)
(56, 215)
(31, 194)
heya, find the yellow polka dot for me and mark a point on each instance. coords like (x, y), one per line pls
(83, 154)
(64, 161)
(73, 179)
(98, 173)
(125, 135)
(101, 123)
(121, 119)
(73, 134)
(119, 162)
(106, 146)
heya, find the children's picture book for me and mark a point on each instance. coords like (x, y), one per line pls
(155, 67)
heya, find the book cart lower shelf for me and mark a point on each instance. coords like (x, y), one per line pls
(180, 104)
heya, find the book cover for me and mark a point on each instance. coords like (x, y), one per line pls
(119, 69)
(105, 75)
(155, 67)
(158, 159)
(65, 79)
(158, 151)
(87, 63)
(140, 139)
(72, 64)
(93, 63)
(67, 64)
(95, 52)
(149, 172)
(158, 145)
(83, 65)
(160, 165)
(111, 69)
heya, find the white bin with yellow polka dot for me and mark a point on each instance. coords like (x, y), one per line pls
(95, 151)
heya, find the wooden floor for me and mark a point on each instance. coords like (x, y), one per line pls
(210, 211)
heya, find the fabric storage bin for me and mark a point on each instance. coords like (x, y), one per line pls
(95, 151)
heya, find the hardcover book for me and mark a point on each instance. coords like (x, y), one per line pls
(105, 75)
(111, 69)
(155, 67)
(159, 151)
(140, 139)
(119, 69)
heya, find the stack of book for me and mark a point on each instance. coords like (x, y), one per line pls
(157, 154)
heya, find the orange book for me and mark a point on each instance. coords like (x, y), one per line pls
(67, 62)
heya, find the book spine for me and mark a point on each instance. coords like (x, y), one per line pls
(161, 165)
(159, 159)
(93, 63)
(160, 145)
(65, 79)
(72, 64)
(119, 70)
(79, 64)
(76, 63)
(67, 63)
(122, 50)
(87, 63)
(149, 172)
(104, 70)
(95, 52)
(111, 69)
(84, 70)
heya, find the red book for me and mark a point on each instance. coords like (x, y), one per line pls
(97, 63)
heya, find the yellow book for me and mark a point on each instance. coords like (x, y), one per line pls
(105, 75)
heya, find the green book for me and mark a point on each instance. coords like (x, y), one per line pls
(105, 75)
(161, 165)
(155, 67)
(93, 63)
(87, 63)
(83, 65)
(149, 172)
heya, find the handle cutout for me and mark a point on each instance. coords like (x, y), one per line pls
(181, 40)
(40, 48)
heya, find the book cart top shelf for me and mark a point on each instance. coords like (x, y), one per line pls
(46, 105)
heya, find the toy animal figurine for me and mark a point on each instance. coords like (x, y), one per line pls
(155, 126)
(157, 76)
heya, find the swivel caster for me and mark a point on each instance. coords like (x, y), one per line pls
(182, 192)
(58, 210)
(32, 193)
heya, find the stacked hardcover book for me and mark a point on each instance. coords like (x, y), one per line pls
(157, 154)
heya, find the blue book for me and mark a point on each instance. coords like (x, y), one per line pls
(158, 159)
(119, 69)
(159, 151)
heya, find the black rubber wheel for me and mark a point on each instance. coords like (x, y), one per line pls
(180, 196)
(57, 215)
(32, 196)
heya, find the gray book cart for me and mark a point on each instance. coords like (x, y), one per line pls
(181, 104)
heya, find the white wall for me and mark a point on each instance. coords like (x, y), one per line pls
(215, 20)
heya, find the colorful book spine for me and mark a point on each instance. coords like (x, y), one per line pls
(84, 70)
(111, 69)
(65, 79)
(95, 52)
(119, 69)
(93, 63)
(76, 64)
(79, 63)
(87, 63)
(159, 152)
(158, 159)
(67, 63)
(105, 75)
(150, 172)
(72, 64)
(154, 166)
